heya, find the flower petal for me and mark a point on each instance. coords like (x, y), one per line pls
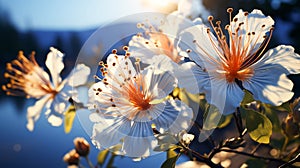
(255, 22)
(203, 46)
(281, 55)
(55, 120)
(79, 75)
(119, 69)
(140, 141)
(175, 117)
(190, 77)
(270, 85)
(225, 96)
(159, 83)
(174, 24)
(107, 135)
(33, 112)
(55, 65)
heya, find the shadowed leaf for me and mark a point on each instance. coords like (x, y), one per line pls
(258, 125)
(102, 157)
(69, 118)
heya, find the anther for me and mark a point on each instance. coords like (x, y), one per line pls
(210, 18)
(218, 22)
(263, 26)
(101, 63)
(125, 48)
(194, 41)
(6, 75)
(253, 33)
(229, 10)
(226, 27)
(114, 51)
(208, 30)
(21, 53)
(113, 105)
(127, 54)
(113, 64)
(188, 50)
(246, 13)
(235, 19)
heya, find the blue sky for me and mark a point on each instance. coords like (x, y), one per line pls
(72, 14)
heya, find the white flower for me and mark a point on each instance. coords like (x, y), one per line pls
(226, 65)
(159, 38)
(28, 79)
(129, 101)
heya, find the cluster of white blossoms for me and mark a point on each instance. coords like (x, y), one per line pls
(179, 52)
(130, 101)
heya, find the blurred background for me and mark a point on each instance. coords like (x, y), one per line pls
(34, 25)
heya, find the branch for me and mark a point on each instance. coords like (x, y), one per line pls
(294, 160)
(252, 155)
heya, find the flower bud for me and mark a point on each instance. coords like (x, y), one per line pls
(72, 158)
(82, 147)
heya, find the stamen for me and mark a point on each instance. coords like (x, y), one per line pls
(114, 51)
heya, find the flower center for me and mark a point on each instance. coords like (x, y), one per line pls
(138, 98)
(237, 53)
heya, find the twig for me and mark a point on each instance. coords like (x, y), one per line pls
(294, 160)
(89, 162)
(201, 157)
(238, 121)
(252, 155)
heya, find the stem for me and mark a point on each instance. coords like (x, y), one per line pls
(286, 141)
(89, 162)
(238, 121)
(252, 155)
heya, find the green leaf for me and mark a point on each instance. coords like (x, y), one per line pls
(248, 98)
(259, 126)
(285, 107)
(171, 153)
(273, 116)
(69, 118)
(171, 160)
(102, 157)
(192, 100)
(225, 120)
(214, 119)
